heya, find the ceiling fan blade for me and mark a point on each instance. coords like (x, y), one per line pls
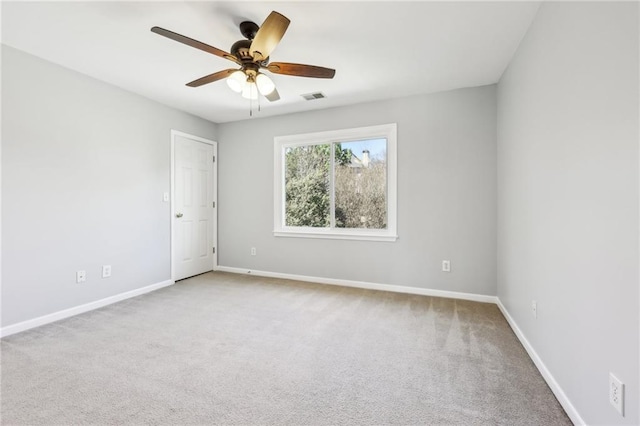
(211, 78)
(195, 43)
(301, 70)
(268, 36)
(273, 96)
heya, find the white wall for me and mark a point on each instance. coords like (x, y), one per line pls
(84, 167)
(568, 199)
(446, 195)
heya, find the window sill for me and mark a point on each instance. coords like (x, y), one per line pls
(333, 235)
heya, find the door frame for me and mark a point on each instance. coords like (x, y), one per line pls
(214, 144)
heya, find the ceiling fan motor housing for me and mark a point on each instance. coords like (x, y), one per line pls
(240, 50)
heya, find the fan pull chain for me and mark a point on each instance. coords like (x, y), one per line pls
(251, 106)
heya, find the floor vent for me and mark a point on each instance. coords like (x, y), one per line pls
(312, 96)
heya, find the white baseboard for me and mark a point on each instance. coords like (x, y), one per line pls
(365, 285)
(56, 316)
(546, 374)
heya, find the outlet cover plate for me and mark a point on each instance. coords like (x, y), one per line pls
(106, 271)
(616, 393)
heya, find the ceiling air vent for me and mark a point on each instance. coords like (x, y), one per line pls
(312, 96)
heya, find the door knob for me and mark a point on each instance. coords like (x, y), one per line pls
(178, 214)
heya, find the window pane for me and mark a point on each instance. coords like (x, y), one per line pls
(307, 201)
(361, 184)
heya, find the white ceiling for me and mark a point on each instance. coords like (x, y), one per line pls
(379, 49)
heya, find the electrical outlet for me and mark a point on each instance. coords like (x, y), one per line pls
(253, 251)
(165, 197)
(81, 276)
(106, 271)
(616, 393)
(446, 266)
(534, 308)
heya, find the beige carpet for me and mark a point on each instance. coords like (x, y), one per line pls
(231, 349)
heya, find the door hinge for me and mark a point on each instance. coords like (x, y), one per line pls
(214, 158)
(214, 250)
(214, 204)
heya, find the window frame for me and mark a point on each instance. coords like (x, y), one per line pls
(386, 131)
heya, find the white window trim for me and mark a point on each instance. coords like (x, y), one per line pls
(387, 131)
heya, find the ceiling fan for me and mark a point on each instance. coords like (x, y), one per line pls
(252, 55)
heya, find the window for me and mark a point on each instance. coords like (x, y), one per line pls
(337, 184)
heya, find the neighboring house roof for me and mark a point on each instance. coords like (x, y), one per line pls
(360, 163)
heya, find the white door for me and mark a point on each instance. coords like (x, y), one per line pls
(193, 216)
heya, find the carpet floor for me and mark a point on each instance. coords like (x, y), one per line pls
(241, 350)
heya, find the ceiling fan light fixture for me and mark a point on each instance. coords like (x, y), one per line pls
(237, 81)
(265, 84)
(250, 91)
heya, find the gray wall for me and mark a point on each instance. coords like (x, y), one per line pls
(568, 199)
(446, 195)
(84, 167)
